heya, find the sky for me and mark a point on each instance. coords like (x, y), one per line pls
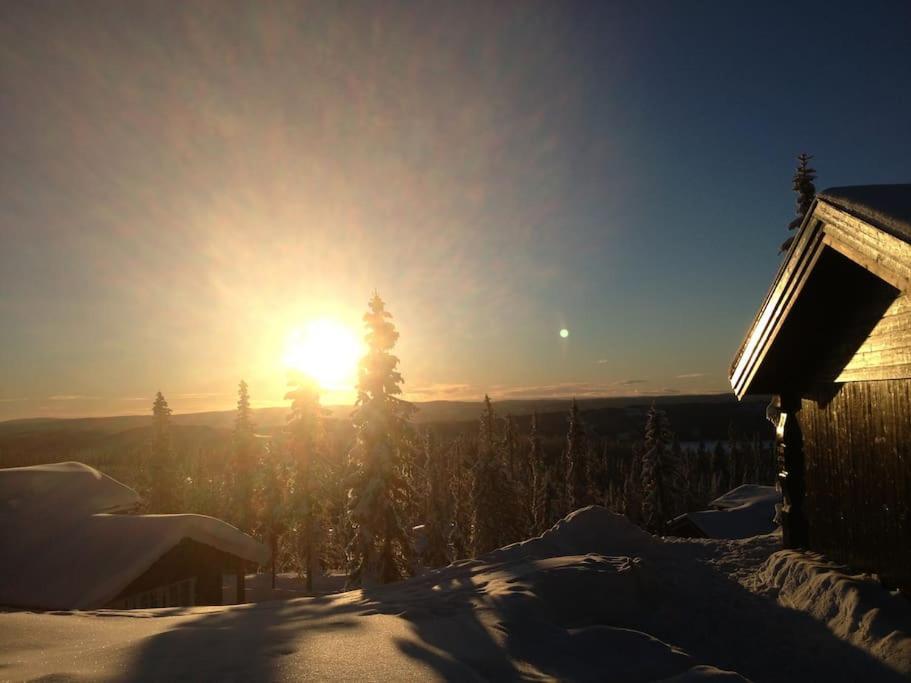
(183, 184)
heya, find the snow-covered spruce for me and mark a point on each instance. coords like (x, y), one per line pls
(662, 474)
(380, 550)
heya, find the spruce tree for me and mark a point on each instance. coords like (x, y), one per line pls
(460, 489)
(305, 431)
(802, 184)
(492, 517)
(509, 446)
(272, 498)
(633, 487)
(540, 512)
(380, 549)
(436, 516)
(662, 476)
(720, 471)
(577, 465)
(244, 455)
(703, 469)
(162, 474)
(554, 503)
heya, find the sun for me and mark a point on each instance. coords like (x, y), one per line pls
(327, 351)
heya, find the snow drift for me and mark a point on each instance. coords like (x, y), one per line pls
(592, 599)
(854, 606)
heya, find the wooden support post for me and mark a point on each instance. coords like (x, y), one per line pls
(240, 597)
(273, 541)
(791, 474)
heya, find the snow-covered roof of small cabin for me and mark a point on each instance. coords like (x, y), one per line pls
(885, 206)
(64, 547)
(748, 510)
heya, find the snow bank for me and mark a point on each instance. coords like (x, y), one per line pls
(591, 529)
(592, 599)
(854, 606)
(62, 549)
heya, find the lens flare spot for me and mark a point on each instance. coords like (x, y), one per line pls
(564, 333)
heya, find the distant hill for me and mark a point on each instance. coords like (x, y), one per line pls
(693, 418)
(427, 412)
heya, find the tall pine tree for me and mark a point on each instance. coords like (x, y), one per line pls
(436, 514)
(305, 431)
(460, 491)
(380, 550)
(802, 184)
(491, 519)
(163, 479)
(540, 505)
(577, 465)
(244, 458)
(271, 496)
(662, 474)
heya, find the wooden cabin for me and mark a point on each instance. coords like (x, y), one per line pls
(73, 541)
(832, 343)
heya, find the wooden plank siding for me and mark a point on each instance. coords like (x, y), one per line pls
(886, 353)
(190, 559)
(857, 449)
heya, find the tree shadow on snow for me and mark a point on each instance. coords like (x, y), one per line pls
(508, 618)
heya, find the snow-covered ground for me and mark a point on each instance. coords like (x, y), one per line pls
(594, 598)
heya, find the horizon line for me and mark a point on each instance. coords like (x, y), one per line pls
(525, 399)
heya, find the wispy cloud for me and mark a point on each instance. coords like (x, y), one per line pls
(630, 382)
(199, 395)
(578, 390)
(445, 391)
(601, 361)
(13, 400)
(561, 390)
(691, 375)
(72, 397)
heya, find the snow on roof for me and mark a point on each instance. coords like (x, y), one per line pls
(746, 495)
(78, 488)
(886, 206)
(746, 511)
(63, 549)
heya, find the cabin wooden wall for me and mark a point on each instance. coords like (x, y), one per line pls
(189, 559)
(857, 448)
(886, 352)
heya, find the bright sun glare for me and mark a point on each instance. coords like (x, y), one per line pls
(326, 350)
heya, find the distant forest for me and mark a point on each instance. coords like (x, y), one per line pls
(716, 442)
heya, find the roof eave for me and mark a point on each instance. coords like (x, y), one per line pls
(756, 342)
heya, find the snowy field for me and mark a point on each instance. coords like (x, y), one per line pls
(593, 599)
